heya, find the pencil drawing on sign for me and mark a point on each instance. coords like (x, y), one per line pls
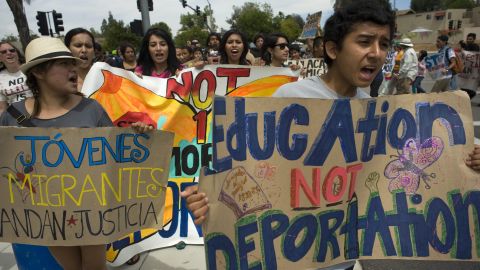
(19, 176)
(408, 168)
(241, 193)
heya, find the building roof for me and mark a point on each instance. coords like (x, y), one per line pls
(404, 12)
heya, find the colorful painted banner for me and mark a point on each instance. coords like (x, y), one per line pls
(312, 26)
(311, 66)
(470, 77)
(182, 105)
(435, 64)
(70, 186)
(308, 183)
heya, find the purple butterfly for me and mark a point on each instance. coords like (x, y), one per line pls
(405, 171)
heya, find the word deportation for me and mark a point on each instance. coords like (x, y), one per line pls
(338, 124)
(128, 148)
(439, 228)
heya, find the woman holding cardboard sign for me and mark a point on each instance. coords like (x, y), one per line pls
(51, 72)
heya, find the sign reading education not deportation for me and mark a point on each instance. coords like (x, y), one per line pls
(74, 186)
(309, 183)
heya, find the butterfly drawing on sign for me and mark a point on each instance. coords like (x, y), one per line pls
(264, 170)
(406, 171)
(17, 174)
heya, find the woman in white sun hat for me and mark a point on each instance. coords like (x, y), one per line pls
(51, 75)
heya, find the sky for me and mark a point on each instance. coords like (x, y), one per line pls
(90, 13)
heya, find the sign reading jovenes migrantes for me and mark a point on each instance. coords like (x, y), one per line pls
(74, 186)
(309, 183)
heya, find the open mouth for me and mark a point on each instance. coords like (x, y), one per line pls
(234, 51)
(368, 72)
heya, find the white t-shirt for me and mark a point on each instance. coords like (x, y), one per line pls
(312, 87)
(13, 87)
(315, 87)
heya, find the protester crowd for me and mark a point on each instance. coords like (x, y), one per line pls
(47, 84)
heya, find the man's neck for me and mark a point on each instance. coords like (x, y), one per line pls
(338, 84)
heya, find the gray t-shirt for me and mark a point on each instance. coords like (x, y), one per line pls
(312, 87)
(87, 114)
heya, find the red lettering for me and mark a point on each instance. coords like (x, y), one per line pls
(232, 74)
(182, 90)
(297, 181)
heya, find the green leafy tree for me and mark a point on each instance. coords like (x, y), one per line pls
(427, 5)
(460, 4)
(290, 27)
(253, 18)
(192, 27)
(162, 25)
(115, 32)
(10, 38)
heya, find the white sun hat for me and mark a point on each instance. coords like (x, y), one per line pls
(44, 49)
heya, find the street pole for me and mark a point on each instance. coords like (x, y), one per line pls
(145, 15)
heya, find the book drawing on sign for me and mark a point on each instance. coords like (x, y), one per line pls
(241, 193)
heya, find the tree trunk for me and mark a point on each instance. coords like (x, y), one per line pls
(16, 6)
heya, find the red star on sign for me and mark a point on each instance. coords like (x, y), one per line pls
(72, 221)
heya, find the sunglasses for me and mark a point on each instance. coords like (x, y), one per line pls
(282, 46)
(9, 50)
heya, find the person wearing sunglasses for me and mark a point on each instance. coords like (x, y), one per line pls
(275, 51)
(12, 80)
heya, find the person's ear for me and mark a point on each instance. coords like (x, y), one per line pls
(270, 50)
(331, 49)
(37, 73)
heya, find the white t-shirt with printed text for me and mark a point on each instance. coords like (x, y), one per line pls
(13, 87)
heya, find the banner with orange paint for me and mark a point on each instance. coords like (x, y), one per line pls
(182, 105)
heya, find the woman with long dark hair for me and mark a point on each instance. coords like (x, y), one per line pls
(129, 59)
(275, 50)
(81, 43)
(157, 56)
(233, 48)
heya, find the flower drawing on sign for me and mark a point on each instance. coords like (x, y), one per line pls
(265, 171)
(408, 168)
(20, 177)
(241, 193)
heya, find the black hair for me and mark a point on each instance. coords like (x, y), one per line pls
(144, 59)
(21, 57)
(188, 48)
(317, 41)
(257, 36)
(124, 46)
(75, 31)
(219, 37)
(97, 46)
(341, 23)
(223, 43)
(269, 42)
(421, 55)
(473, 35)
(294, 47)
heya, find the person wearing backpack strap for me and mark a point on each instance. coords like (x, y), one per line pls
(442, 84)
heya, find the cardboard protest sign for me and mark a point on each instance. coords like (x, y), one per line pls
(309, 183)
(311, 66)
(435, 64)
(311, 29)
(71, 186)
(470, 77)
(182, 105)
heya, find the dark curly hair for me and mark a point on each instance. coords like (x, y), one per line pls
(341, 23)
(269, 42)
(75, 31)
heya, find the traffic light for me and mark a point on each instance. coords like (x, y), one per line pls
(197, 11)
(42, 23)
(57, 22)
(150, 5)
(184, 3)
(136, 27)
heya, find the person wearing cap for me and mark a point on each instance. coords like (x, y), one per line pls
(51, 75)
(12, 80)
(51, 72)
(442, 84)
(408, 68)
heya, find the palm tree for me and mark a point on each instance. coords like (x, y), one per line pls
(18, 11)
